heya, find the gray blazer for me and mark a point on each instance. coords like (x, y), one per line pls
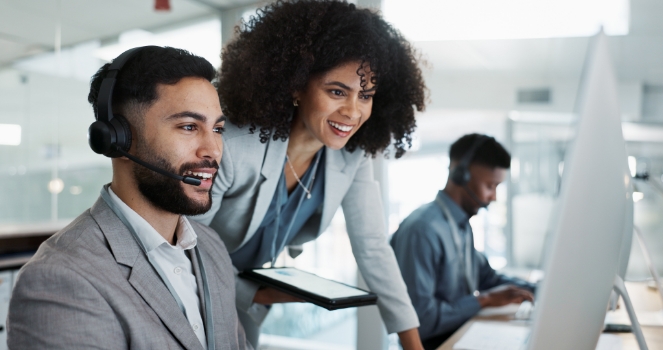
(91, 286)
(246, 182)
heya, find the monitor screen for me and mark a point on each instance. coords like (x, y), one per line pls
(593, 218)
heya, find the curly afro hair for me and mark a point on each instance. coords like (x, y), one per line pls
(277, 51)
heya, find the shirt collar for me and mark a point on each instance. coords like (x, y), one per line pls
(458, 214)
(151, 239)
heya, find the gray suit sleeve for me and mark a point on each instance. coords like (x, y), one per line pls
(245, 291)
(56, 308)
(366, 224)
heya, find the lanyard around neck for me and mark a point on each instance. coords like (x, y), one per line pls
(466, 256)
(209, 319)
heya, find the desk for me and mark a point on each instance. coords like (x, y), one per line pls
(643, 299)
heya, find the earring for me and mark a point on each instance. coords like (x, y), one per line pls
(295, 103)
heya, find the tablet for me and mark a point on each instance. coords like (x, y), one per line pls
(328, 294)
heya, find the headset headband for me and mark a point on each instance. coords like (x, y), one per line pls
(467, 157)
(105, 96)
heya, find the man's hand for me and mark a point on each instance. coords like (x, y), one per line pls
(410, 339)
(503, 295)
(269, 296)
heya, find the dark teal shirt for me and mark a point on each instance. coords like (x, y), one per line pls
(296, 209)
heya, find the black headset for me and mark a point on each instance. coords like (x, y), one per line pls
(460, 175)
(110, 134)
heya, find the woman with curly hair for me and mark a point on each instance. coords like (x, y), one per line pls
(312, 90)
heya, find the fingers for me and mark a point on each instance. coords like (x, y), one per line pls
(268, 296)
(504, 295)
(285, 298)
(518, 295)
(529, 296)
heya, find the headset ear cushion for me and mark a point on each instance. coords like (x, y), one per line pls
(123, 137)
(99, 137)
(460, 175)
(103, 135)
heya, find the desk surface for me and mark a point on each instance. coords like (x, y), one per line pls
(643, 298)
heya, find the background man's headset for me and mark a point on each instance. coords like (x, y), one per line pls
(111, 135)
(461, 176)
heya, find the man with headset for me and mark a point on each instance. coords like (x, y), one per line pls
(132, 272)
(447, 279)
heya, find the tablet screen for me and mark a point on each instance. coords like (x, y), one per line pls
(311, 283)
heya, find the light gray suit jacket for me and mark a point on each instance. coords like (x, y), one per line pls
(90, 286)
(246, 182)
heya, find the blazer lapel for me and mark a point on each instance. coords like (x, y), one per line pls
(271, 170)
(143, 277)
(337, 182)
(148, 284)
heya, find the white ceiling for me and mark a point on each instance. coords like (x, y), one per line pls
(522, 55)
(28, 26)
(638, 56)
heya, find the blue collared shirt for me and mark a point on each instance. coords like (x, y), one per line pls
(431, 269)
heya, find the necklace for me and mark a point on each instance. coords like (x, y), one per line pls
(308, 190)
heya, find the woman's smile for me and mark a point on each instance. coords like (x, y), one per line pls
(340, 129)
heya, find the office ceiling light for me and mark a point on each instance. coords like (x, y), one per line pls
(10, 134)
(55, 186)
(638, 196)
(632, 165)
(75, 190)
(425, 20)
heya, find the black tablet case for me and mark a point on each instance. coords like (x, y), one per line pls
(327, 303)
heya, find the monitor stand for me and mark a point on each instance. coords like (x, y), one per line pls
(620, 288)
(645, 252)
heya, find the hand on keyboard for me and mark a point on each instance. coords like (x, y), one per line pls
(504, 295)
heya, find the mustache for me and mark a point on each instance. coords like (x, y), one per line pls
(202, 164)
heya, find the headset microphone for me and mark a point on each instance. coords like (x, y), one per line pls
(474, 197)
(110, 134)
(186, 179)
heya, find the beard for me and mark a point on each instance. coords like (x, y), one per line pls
(167, 193)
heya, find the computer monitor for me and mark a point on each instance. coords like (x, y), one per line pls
(593, 222)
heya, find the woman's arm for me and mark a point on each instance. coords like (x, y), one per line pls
(366, 224)
(410, 339)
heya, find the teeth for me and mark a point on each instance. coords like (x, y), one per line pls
(344, 128)
(201, 175)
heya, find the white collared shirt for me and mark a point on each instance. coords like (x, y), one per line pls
(172, 260)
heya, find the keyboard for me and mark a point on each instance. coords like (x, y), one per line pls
(493, 336)
(524, 311)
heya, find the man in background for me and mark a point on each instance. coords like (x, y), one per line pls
(132, 272)
(448, 280)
